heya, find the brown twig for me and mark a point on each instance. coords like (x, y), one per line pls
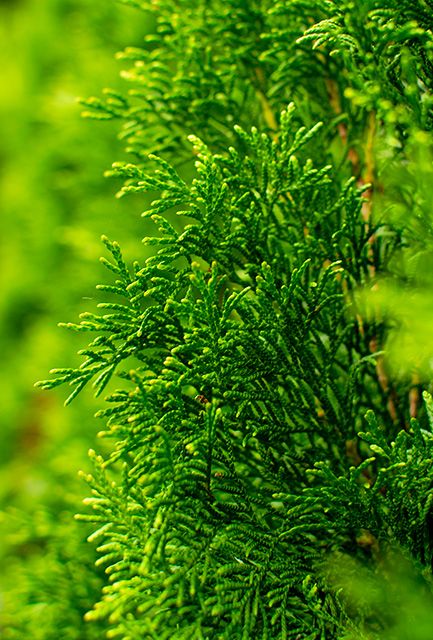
(414, 396)
(365, 176)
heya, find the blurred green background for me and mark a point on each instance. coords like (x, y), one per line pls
(54, 204)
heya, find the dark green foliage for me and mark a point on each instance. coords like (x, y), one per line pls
(260, 430)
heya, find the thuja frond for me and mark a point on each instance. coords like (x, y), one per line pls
(362, 502)
(203, 75)
(244, 365)
(385, 48)
(240, 458)
(256, 298)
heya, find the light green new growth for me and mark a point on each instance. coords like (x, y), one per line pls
(259, 434)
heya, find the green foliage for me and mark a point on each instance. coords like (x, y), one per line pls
(260, 433)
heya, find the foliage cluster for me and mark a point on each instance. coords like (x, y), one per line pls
(272, 455)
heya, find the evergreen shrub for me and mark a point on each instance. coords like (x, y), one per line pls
(270, 473)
